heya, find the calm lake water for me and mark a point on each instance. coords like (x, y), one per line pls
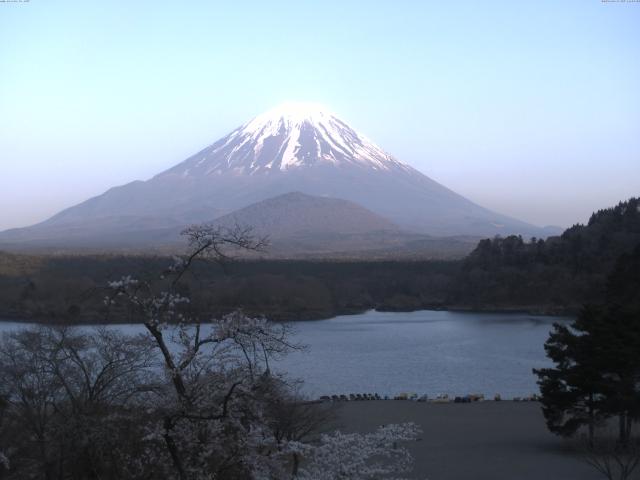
(432, 352)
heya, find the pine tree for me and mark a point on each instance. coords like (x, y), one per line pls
(572, 392)
(597, 360)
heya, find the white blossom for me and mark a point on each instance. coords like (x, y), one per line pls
(4, 461)
(356, 456)
(124, 282)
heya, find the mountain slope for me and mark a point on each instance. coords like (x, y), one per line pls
(291, 148)
(297, 214)
(304, 226)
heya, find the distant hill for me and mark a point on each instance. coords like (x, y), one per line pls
(297, 214)
(297, 226)
(559, 272)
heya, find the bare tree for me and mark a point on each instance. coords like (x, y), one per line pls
(59, 385)
(614, 460)
(5, 464)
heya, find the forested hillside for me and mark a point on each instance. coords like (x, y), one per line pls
(72, 288)
(559, 273)
(556, 275)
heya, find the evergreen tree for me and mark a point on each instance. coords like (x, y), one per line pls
(621, 342)
(572, 392)
(597, 360)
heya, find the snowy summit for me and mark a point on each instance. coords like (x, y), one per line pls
(291, 135)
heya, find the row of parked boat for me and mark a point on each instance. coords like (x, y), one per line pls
(474, 397)
(352, 397)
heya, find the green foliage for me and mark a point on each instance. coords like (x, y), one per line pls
(572, 391)
(559, 273)
(597, 360)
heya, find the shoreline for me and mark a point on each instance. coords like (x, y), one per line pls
(527, 310)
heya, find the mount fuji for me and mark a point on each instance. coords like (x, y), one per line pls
(292, 148)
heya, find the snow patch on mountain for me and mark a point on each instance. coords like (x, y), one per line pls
(289, 136)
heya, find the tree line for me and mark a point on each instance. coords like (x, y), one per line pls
(556, 275)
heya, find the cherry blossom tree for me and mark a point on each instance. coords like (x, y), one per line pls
(357, 456)
(193, 398)
(211, 411)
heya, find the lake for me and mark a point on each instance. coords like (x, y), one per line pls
(432, 352)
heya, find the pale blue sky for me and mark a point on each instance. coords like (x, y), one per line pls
(529, 108)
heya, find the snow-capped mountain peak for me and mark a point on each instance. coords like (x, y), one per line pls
(289, 136)
(292, 148)
(292, 113)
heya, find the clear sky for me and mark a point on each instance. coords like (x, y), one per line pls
(531, 108)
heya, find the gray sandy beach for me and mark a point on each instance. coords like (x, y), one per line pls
(479, 441)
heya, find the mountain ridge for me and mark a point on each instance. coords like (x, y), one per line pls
(290, 148)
